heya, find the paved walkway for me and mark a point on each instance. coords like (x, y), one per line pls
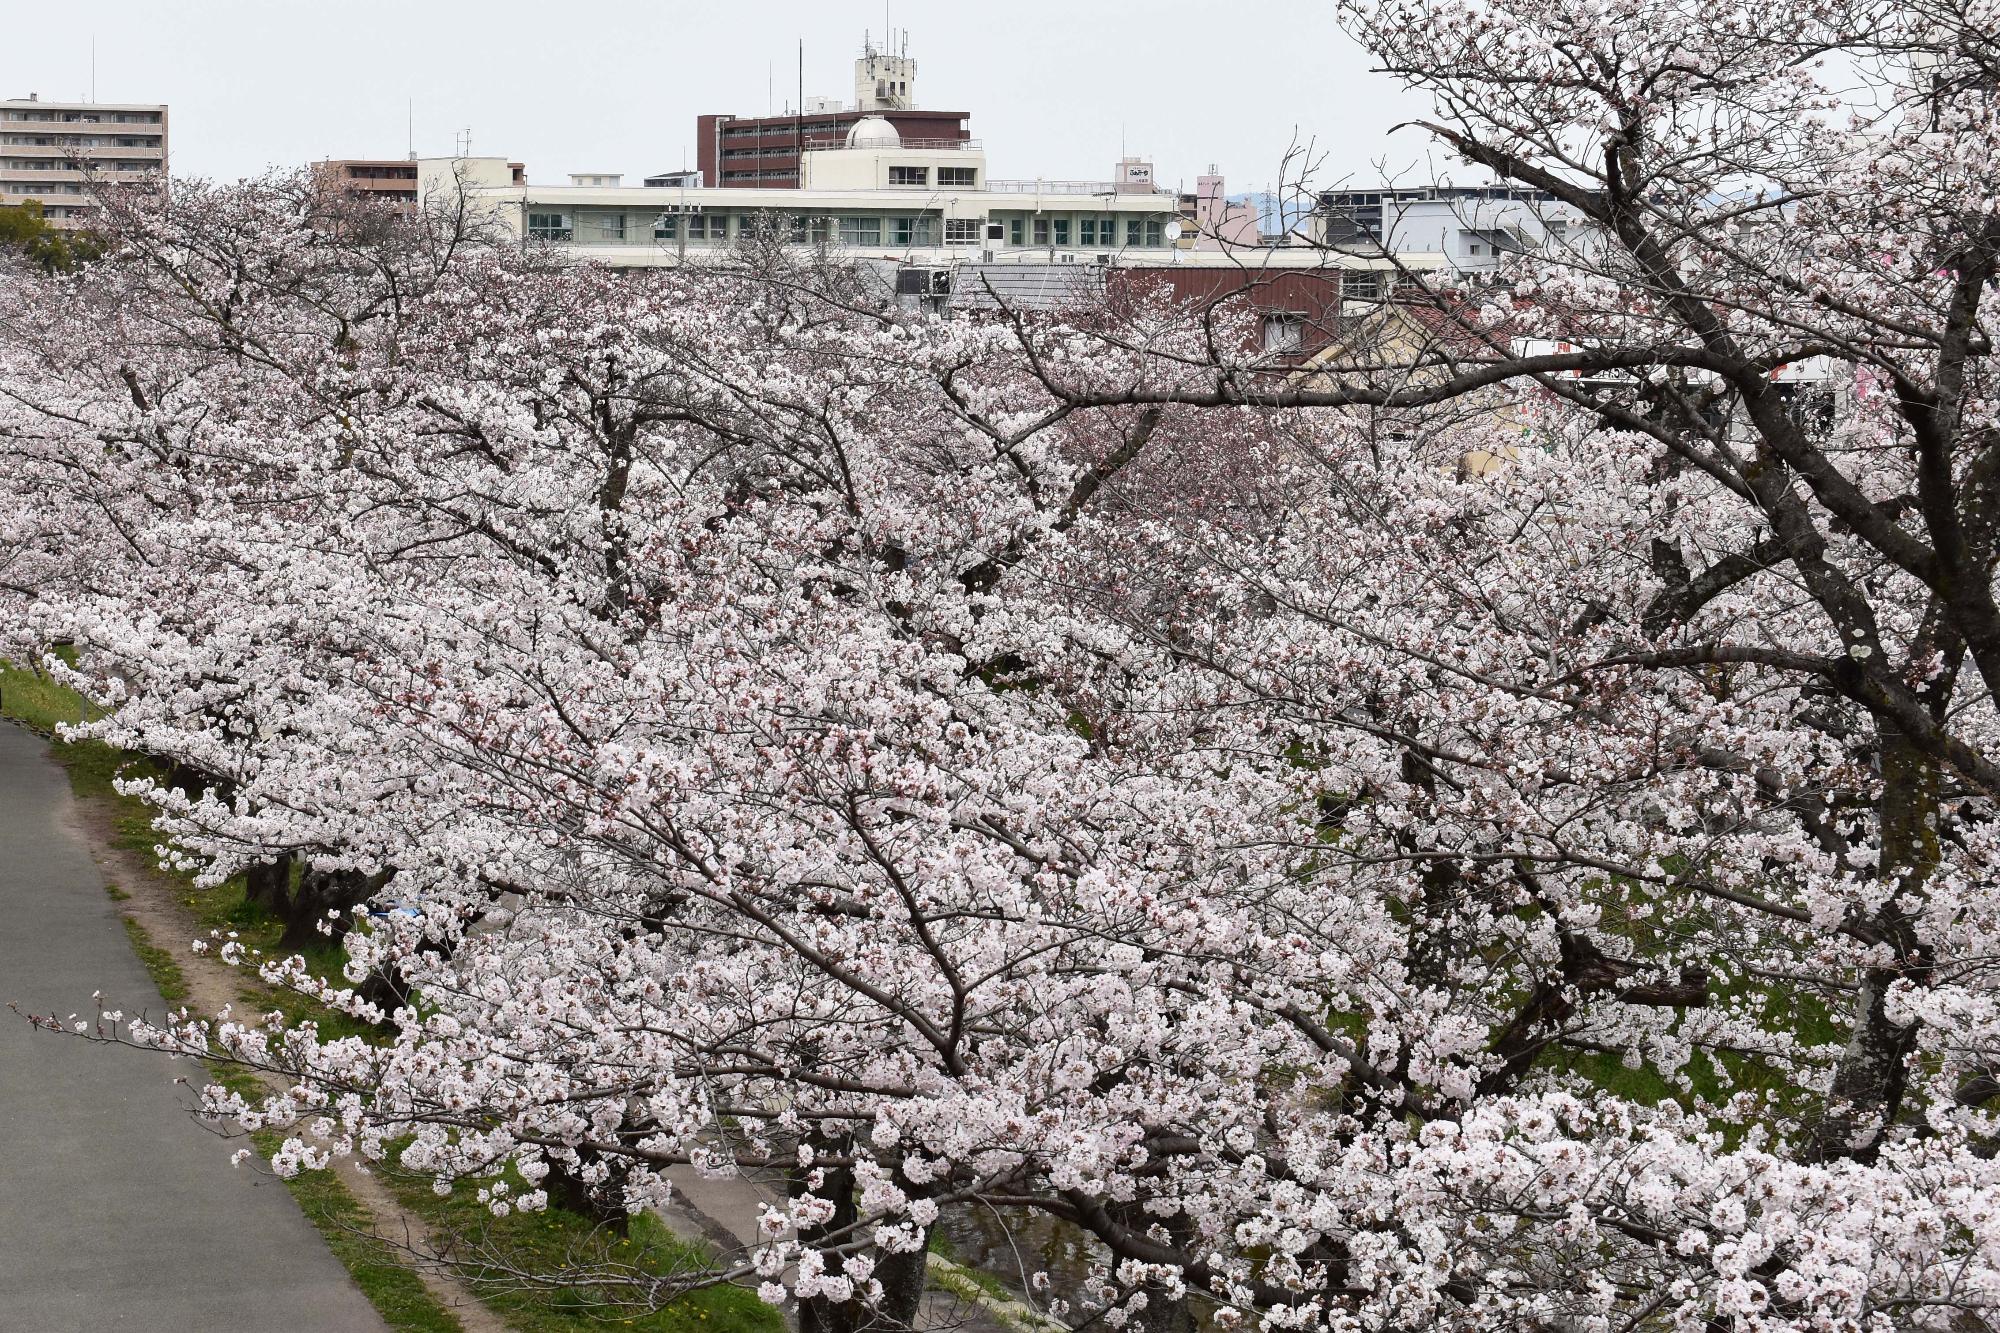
(117, 1211)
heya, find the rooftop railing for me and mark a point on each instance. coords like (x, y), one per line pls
(821, 143)
(1068, 187)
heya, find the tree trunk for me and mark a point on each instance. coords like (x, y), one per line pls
(1164, 1312)
(268, 882)
(568, 1191)
(1869, 1084)
(319, 893)
(817, 1314)
(902, 1277)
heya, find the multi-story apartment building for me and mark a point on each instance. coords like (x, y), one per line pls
(55, 153)
(766, 152)
(388, 180)
(1466, 228)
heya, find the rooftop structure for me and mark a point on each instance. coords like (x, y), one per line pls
(57, 152)
(765, 152)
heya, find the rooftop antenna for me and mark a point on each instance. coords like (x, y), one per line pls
(93, 67)
(410, 127)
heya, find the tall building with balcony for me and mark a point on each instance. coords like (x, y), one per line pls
(766, 152)
(57, 153)
(385, 180)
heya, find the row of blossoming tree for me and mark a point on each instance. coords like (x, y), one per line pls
(1062, 765)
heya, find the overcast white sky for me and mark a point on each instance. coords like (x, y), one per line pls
(1052, 87)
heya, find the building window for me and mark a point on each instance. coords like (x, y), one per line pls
(958, 176)
(909, 175)
(961, 231)
(861, 231)
(1134, 231)
(1284, 332)
(912, 231)
(1087, 232)
(1062, 231)
(606, 227)
(666, 227)
(1041, 231)
(1153, 233)
(1016, 230)
(1357, 285)
(548, 227)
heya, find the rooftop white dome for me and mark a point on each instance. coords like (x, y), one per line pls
(873, 132)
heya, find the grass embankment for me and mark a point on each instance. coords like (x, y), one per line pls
(557, 1240)
(529, 1241)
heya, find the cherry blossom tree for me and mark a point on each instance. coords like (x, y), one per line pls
(1063, 764)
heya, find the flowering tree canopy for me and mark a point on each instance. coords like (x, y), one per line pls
(1063, 764)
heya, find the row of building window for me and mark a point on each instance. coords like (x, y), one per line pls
(796, 128)
(85, 117)
(1089, 232)
(64, 164)
(960, 176)
(80, 140)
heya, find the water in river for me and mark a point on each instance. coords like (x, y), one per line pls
(1013, 1243)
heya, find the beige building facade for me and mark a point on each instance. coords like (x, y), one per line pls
(57, 153)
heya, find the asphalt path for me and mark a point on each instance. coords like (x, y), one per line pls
(117, 1209)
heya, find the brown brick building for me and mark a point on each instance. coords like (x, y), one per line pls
(763, 151)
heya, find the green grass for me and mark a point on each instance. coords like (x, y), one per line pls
(395, 1290)
(940, 1245)
(27, 695)
(557, 1239)
(30, 697)
(159, 964)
